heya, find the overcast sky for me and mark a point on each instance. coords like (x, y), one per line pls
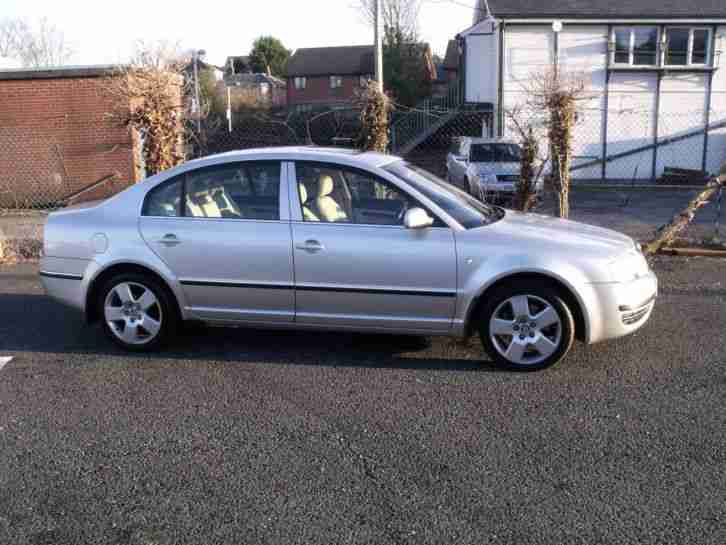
(104, 32)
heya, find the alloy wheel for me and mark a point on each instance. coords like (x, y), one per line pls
(525, 329)
(133, 313)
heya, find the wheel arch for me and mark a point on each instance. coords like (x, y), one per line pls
(568, 294)
(91, 309)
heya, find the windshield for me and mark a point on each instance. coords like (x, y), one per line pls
(466, 210)
(495, 153)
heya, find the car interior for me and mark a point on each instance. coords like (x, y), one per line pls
(495, 153)
(331, 195)
(239, 192)
(244, 191)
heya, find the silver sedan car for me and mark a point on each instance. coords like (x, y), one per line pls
(322, 239)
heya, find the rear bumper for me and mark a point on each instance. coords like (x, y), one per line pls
(63, 280)
(624, 307)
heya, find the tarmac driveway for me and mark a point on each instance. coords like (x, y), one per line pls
(249, 437)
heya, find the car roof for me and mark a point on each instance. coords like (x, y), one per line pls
(302, 153)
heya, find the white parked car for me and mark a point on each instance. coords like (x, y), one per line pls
(485, 167)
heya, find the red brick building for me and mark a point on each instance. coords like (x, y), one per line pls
(326, 76)
(56, 137)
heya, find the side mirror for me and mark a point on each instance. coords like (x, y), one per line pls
(417, 218)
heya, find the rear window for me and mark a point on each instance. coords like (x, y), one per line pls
(495, 153)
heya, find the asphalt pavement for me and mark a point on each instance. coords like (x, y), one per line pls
(254, 437)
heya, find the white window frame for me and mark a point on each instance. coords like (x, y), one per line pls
(691, 32)
(631, 49)
(301, 83)
(336, 82)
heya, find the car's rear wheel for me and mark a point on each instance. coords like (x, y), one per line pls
(137, 312)
(526, 328)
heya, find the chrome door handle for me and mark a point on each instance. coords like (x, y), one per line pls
(169, 240)
(311, 246)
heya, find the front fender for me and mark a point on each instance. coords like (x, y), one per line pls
(476, 276)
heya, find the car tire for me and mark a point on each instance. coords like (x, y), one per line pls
(539, 340)
(137, 312)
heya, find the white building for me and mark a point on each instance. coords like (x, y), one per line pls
(654, 69)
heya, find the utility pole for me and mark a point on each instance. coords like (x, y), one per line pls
(197, 105)
(378, 46)
(229, 109)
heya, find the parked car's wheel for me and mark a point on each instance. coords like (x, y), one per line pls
(137, 312)
(526, 328)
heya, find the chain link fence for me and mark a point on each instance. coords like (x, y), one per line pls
(627, 149)
(39, 172)
(328, 127)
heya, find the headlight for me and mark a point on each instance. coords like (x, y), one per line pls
(629, 267)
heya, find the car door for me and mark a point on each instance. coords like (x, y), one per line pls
(356, 265)
(224, 231)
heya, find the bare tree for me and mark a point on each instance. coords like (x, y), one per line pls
(534, 158)
(398, 15)
(668, 234)
(10, 32)
(35, 44)
(375, 108)
(148, 97)
(558, 94)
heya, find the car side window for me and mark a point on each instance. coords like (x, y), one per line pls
(332, 194)
(165, 199)
(234, 191)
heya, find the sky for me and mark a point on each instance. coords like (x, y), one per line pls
(103, 32)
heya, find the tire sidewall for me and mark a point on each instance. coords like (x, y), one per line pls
(169, 320)
(544, 292)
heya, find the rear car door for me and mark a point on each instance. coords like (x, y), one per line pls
(224, 231)
(356, 265)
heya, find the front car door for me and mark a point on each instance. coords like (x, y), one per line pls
(224, 231)
(356, 265)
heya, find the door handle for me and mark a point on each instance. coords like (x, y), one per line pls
(169, 240)
(311, 246)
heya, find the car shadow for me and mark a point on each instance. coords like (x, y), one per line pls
(37, 324)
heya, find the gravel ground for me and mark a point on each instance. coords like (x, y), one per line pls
(251, 437)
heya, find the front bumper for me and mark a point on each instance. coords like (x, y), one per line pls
(624, 307)
(506, 188)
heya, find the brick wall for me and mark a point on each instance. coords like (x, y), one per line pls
(318, 91)
(56, 138)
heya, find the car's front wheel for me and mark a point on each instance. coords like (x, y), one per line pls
(137, 312)
(526, 328)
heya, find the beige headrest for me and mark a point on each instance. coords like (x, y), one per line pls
(303, 193)
(325, 186)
